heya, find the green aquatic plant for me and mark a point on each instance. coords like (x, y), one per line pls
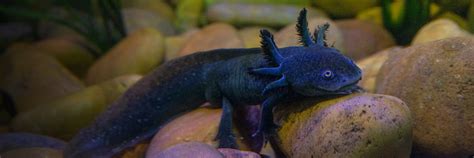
(100, 22)
(413, 15)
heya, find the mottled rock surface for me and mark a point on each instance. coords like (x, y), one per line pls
(436, 81)
(357, 125)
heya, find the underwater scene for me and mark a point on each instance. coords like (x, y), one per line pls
(236, 78)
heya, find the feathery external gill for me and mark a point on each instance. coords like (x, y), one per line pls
(302, 29)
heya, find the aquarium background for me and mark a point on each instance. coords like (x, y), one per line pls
(62, 62)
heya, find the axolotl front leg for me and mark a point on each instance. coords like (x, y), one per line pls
(227, 138)
(231, 86)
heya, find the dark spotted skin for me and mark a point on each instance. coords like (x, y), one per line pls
(165, 94)
(173, 88)
(226, 78)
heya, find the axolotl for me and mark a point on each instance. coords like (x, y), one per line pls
(225, 78)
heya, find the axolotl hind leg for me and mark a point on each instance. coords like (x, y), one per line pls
(225, 136)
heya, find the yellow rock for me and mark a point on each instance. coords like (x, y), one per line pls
(138, 53)
(72, 55)
(439, 29)
(33, 78)
(63, 117)
(33, 152)
(456, 18)
(357, 125)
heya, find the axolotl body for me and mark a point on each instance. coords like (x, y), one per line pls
(225, 78)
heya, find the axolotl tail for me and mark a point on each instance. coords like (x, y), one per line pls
(171, 89)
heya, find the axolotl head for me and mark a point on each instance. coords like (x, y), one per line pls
(320, 71)
(312, 70)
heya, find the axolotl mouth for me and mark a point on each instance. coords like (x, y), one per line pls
(347, 89)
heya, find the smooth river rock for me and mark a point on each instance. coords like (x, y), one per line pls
(138, 53)
(31, 78)
(200, 125)
(71, 53)
(357, 125)
(436, 81)
(213, 36)
(65, 116)
(439, 29)
(363, 38)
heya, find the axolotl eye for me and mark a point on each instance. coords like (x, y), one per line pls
(328, 74)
